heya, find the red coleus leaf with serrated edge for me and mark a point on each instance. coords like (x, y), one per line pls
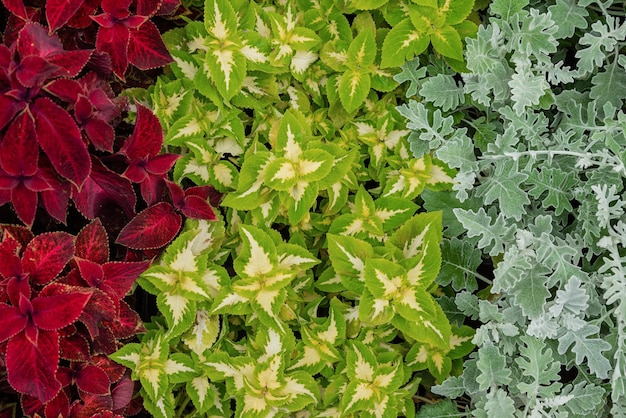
(47, 255)
(113, 278)
(60, 139)
(147, 137)
(115, 371)
(102, 187)
(19, 153)
(101, 308)
(92, 379)
(127, 324)
(55, 312)
(168, 7)
(16, 7)
(75, 348)
(154, 227)
(58, 12)
(192, 202)
(122, 394)
(146, 49)
(56, 199)
(92, 243)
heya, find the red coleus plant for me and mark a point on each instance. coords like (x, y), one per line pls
(61, 312)
(124, 30)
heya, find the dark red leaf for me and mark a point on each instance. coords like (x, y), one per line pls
(104, 342)
(100, 308)
(34, 70)
(55, 312)
(120, 276)
(16, 287)
(90, 271)
(168, 7)
(127, 324)
(10, 263)
(70, 62)
(114, 41)
(100, 133)
(154, 227)
(19, 152)
(91, 405)
(114, 371)
(16, 7)
(60, 139)
(103, 187)
(161, 164)
(24, 202)
(82, 109)
(147, 7)
(58, 12)
(12, 321)
(116, 8)
(92, 243)
(46, 256)
(147, 137)
(9, 107)
(65, 89)
(92, 379)
(75, 348)
(59, 406)
(35, 40)
(55, 200)
(146, 49)
(198, 208)
(32, 368)
(22, 234)
(123, 393)
(82, 17)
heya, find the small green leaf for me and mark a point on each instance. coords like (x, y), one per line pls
(354, 86)
(456, 11)
(403, 43)
(447, 42)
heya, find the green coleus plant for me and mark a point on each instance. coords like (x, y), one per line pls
(535, 129)
(315, 292)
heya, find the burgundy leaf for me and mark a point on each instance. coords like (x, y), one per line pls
(116, 8)
(12, 321)
(123, 393)
(90, 271)
(92, 379)
(92, 243)
(91, 405)
(56, 199)
(19, 152)
(147, 137)
(16, 7)
(146, 49)
(100, 133)
(104, 342)
(33, 70)
(197, 208)
(148, 7)
(9, 107)
(55, 312)
(20, 233)
(59, 406)
(82, 109)
(154, 227)
(114, 41)
(32, 368)
(100, 308)
(161, 164)
(16, 287)
(82, 17)
(70, 62)
(120, 276)
(114, 371)
(24, 202)
(127, 324)
(102, 187)
(65, 89)
(60, 139)
(75, 348)
(35, 40)
(46, 256)
(58, 12)
(10, 263)
(168, 7)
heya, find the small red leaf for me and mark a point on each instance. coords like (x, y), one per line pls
(114, 41)
(46, 256)
(9, 107)
(100, 133)
(34, 70)
(12, 321)
(55, 312)
(168, 7)
(92, 243)
(35, 40)
(127, 324)
(100, 308)
(123, 393)
(60, 139)
(25, 203)
(154, 227)
(55, 200)
(59, 406)
(75, 348)
(120, 276)
(32, 368)
(70, 62)
(92, 379)
(146, 49)
(90, 271)
(58, 12)
(148, 7)
(65, 89)
(161, 164)
(19, 152)
(16, 7)
(114, 371)
(117, 8)
(103, 187)
(198, 208)
(147, 137)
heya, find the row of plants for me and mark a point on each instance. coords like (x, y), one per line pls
(416, 208)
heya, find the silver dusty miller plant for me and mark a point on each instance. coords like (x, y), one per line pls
(535, 131)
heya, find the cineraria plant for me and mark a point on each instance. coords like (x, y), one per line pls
(315, 293)
(535, 131)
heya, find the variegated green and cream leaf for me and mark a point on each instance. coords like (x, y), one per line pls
(202, 393)
(402, 43)
(348, 256)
